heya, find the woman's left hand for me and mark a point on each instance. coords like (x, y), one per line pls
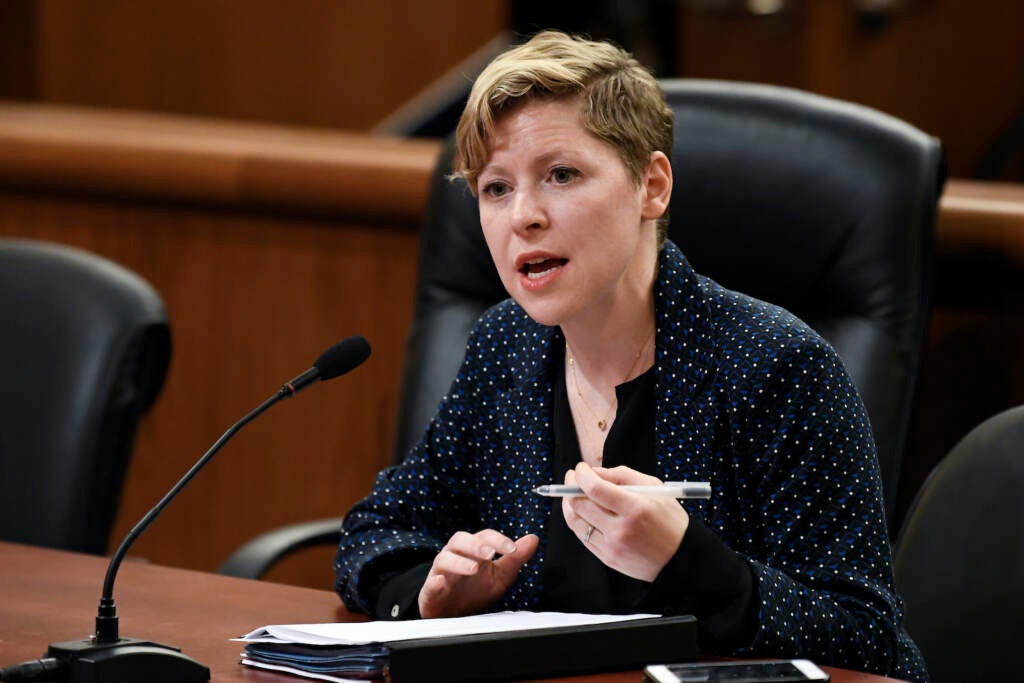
(633, 534)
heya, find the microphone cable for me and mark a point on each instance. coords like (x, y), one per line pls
(46, 669)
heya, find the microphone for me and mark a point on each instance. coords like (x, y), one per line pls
(346, 355)
(108, 658)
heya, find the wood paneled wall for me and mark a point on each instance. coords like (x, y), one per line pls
(270, 243)
(344, 64)
(952, 68)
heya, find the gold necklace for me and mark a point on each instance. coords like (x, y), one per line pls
(602, 423)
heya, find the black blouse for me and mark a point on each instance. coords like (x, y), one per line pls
(574, 579)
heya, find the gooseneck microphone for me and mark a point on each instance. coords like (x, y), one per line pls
(108, 658)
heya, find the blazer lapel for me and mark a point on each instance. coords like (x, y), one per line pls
(528, 443)
(684, 361)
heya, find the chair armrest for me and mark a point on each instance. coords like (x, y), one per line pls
(253, 559)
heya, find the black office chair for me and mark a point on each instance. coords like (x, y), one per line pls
(960, 558)
(83, 353)
(820, 206)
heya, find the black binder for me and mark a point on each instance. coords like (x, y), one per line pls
(546, 652)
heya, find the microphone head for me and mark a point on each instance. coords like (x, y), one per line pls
(346, 355)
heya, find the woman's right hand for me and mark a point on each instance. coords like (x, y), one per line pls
(466, 579)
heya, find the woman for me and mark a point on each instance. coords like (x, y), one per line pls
(614, 363)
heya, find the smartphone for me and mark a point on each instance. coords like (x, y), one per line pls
(736, 672)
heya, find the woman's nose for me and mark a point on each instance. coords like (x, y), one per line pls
(528, 211)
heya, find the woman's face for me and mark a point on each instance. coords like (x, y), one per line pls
(571, 233)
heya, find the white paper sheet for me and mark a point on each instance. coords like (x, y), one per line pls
(391, 631)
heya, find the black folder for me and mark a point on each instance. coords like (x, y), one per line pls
(540, 653)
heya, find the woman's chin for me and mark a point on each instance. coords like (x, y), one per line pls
(544, 313)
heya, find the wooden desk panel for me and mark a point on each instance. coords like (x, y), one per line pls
(48, 596)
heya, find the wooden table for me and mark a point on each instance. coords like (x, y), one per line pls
(48, 596)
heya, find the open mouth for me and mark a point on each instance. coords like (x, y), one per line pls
(538, 268)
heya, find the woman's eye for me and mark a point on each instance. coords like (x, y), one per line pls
(564, 174)
(495, 189)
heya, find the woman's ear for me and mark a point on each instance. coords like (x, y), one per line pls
(657, 185)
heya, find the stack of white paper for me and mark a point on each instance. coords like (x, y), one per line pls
(355, 651)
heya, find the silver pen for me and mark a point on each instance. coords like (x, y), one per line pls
(674, 489)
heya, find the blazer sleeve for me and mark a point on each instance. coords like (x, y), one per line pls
(415, 507)
(816, 538)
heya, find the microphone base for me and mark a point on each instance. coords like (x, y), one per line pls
(126, 659)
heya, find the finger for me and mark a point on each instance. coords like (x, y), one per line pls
(577, 511)
(479, 546)
(596, 489)
(579, 528)
(529, 538)
(491, 542)
(590, 513)
(626, 475)
(447, 562)
(581, 512)
(508, 566)
(569, 513)
(525, 548)
(434, 592)
(589, 534)
(567, 510)
(606, 494)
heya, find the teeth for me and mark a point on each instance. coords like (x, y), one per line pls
(535, 276)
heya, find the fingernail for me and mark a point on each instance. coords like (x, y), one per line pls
(510, 548)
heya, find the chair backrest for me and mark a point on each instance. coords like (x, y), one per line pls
(960, 558)
(820, 206)
(83, 353)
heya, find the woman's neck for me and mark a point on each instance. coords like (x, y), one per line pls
(597, 360)
(605, 342)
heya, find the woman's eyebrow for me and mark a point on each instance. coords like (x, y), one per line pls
(551, 155)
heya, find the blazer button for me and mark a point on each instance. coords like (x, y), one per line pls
(395, 610)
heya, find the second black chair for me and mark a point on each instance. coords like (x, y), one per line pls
(960, 558)
(83, 353)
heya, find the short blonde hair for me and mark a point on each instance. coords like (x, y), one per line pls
(622, 103)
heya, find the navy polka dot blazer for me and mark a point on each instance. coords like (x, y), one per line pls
(747, 397)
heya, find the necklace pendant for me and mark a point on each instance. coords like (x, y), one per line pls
(602, 425)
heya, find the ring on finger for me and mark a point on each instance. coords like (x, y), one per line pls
(586, 536)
